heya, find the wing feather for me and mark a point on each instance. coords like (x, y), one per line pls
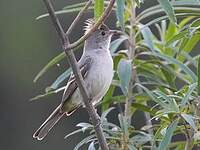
(84, 66)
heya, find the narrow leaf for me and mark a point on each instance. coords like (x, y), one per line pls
(195, 23)
(168, 10)
(42, 95)
(91, 146)
(143, 108)
(167, 138)
(120, 12)
(53, 62)
(183, 67)
(124, 72)
(72, 133)
(177, 37)
(107, 98)
(85, 126)
(116, 43)
(105, 113)
(148, 36)
(186, 97)
(190, 119)
(198, 74)
(98, 8)
(85, 141)
(48, 93)
(141, 139)
(151, 95)
(59, 80)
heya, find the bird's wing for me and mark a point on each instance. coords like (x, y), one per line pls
(84, 65)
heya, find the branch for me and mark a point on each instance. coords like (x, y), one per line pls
(132, 43)
(72, 60)
(80, 14)
(95, 26)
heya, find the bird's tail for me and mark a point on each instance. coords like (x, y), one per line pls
(48, 124)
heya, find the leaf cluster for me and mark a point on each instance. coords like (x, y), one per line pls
(162, 78)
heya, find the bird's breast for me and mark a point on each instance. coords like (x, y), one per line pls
(100, 76)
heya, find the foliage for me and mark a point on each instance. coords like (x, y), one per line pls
(161, 77)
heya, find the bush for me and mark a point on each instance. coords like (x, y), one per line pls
(155, 73)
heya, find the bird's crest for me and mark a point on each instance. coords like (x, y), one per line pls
(89, 23)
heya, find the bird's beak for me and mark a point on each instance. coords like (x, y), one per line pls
(116, 32)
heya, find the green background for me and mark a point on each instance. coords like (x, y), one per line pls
(26, 45)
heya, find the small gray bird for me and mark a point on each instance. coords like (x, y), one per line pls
(96, 66)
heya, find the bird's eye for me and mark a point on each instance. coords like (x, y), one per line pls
(103, 33)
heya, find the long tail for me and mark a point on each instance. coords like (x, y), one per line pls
(48, 124)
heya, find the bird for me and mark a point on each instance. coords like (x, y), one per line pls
(96, 67)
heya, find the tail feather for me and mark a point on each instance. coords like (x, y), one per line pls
(48, 124)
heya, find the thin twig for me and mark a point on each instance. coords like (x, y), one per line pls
(129, 99)
(128, 112)
(95, 26)
(80, 14)
(72, 60)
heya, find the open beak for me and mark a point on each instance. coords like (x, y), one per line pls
(116, 32)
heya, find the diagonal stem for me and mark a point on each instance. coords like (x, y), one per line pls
(80, 14)
(95, 26)
(72, 60)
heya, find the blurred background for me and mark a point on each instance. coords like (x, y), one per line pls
(26, 45)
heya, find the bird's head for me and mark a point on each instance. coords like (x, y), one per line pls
(99, 39)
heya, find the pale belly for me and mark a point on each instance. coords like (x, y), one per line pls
(97, 82)
(100, 81)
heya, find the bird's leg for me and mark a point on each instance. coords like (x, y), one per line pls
(98, 120)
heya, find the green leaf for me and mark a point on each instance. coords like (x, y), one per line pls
(72, 133)
(85, 126)
(85, 141)
(98, 8)
(105, 113)
(42, 95)
(179, 64)
(167, 138)
(143, 108)
(120, 12)
(171, 103)
(48, 93)
(152, 11)
(116, 43)
(168, 9)
(91, 146)
(124, 71)
(177, 37)
(195, 23)
(186, 97)
(123, 123)
(148, 36)
(59, 80)
(107, 98)
(191, 43)
(198, 74)
(152, 96)
(169, 77)
(170, 32)
(141, 139)
(190, 119)
(53, 62)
